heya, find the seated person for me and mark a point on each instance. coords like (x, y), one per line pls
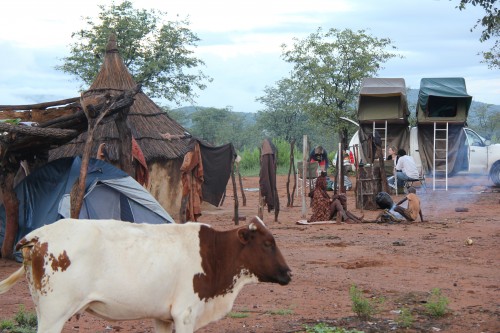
(319, 155)
(413, 210)
(405, 169)
(392, 158)
(320, 201)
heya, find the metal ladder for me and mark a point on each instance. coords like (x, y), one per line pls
(440, 163)
(382, 131)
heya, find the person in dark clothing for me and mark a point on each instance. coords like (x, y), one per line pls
(319, 155)
(325, 208)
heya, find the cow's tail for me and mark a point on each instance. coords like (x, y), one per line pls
(9, 282)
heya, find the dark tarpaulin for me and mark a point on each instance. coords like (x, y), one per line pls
(267, 180)
(217, 163)
(457, 150)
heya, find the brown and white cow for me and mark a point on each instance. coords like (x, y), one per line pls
(182, 275)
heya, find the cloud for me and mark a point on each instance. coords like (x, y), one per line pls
(241, 43)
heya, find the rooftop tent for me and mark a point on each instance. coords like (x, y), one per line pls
(110, 193)
(383, 99)
(383, 113)
(443, 100)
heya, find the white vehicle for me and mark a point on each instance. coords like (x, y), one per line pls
(447, 146)
(483, 157)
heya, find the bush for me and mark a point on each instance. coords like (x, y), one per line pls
(324, 328)
(363, 307)
(24, 322)
(405, 319)
(250, 158)
(437, 305)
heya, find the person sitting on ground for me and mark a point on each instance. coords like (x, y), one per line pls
(413, 209)
(320, 200)
(338, 209)
(405, 169)
(325, 208)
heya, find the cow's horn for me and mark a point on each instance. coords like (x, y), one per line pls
(252, 226)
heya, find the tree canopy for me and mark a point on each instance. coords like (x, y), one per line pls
(330, 66)
(283, 116)
(158, 53)
(491, 24)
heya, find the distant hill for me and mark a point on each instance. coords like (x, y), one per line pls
(189, 110)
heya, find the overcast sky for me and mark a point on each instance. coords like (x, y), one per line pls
(240, 43)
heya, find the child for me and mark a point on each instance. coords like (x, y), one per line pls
(413, 210)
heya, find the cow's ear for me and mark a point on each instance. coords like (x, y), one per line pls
(243, 235)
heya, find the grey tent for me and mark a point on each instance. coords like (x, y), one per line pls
(383, 99)
(383, 115)
(109, 194)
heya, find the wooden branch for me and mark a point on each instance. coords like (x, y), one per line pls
(94, 117)
(39, 105)
(37, 131)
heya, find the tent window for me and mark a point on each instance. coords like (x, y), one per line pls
(125, 211)
(442, 107)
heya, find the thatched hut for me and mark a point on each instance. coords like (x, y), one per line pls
(161, 139)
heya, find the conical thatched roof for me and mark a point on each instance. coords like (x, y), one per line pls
(146, 119)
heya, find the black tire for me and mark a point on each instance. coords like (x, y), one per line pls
(495, 173)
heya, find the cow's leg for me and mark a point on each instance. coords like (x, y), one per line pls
(163, 326)
(46, 325)
(52, 314)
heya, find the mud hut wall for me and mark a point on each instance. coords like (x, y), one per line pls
(165, 184)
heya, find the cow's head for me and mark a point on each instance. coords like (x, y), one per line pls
(260, 254)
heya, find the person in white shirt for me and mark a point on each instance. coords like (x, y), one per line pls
(405, 169)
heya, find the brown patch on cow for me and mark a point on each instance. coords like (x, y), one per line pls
(24, 242)
(35, 255)
(38, 254)
(61, 262)
(217, 278)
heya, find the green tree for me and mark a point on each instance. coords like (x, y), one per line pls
(179, 115)
(330, 67)
(485, 119)
(158, 53)
(491, 29)
(283, 116)
(218, 126)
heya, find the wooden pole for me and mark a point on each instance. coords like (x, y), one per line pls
(235, 191)
(305, 169)
(94, 117)
(289, 196)
(11, 204)
(243, 196)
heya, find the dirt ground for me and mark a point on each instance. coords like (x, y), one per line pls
(400, 263)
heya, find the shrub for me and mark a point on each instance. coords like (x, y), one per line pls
(437, 305)
(23, 322)
(405, 319)
(362, 307)
(324, 328)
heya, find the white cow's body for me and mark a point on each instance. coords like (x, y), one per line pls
(122, 271)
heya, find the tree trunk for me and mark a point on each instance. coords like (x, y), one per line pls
(11, 204)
